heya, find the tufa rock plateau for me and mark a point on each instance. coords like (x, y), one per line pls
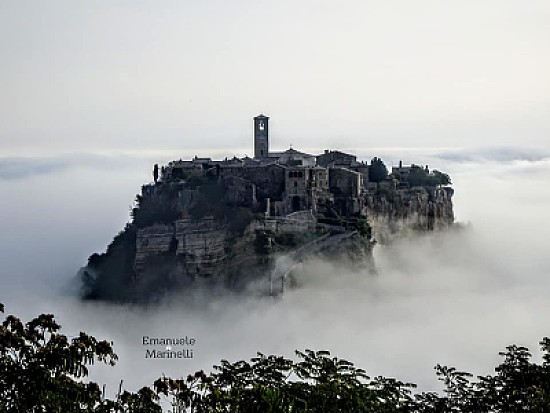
(251, 221)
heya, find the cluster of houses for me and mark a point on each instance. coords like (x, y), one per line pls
(285, 182)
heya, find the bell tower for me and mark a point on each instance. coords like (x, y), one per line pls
(261, 136)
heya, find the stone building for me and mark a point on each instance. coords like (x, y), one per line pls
(401, 172)
(335, 158)
(305, 187)
(345, 182)
(363, 169)
(292, 157)
(281, 182)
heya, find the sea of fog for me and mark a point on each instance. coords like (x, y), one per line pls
(453, 298)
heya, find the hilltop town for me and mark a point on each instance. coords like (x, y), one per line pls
(238, 220)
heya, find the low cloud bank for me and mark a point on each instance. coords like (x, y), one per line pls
(20, 167)
(454, 298)
(496, 154)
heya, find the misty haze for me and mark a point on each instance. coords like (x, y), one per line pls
(449, 297)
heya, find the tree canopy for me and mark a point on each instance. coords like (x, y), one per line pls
(42, 370)
(422, 177)
(377, 170)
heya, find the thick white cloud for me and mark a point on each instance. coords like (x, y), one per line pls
(452, 298)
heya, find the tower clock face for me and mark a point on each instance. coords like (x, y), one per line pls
(261, 126)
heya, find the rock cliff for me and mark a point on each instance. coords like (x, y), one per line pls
(399, 213)
(210, 227)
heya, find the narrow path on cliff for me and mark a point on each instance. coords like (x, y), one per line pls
(286, 263)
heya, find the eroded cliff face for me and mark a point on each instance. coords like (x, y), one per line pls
(399, 213)
(199, 245)
(183, 237)
(190, 252)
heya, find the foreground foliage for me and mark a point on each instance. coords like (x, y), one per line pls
(42, 370)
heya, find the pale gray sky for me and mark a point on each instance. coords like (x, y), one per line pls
(171, 76)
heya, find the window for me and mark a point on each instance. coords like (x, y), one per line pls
(295, 184)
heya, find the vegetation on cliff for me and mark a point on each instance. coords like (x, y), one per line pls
(107, 275)
(377, 171)
(421, 177)
(43, 370)
(111, 275)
